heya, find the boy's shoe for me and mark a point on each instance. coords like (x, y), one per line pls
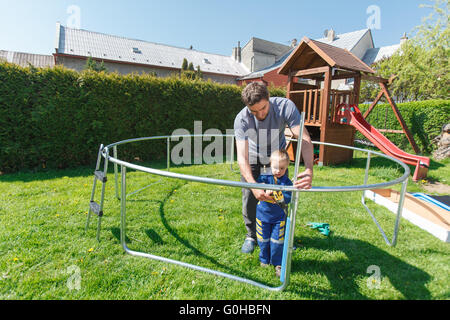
(278, 271)
(248, 246)
(264, 265)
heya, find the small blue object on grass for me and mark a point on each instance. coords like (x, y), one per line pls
(323, 228)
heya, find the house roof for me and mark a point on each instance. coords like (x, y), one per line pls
(311, 54)
(267, 47)
(345, 41)
(24, 59)
(78, 42)
(262, 72)
(376, 54)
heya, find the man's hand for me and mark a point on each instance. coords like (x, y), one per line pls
(304, 180)
(261, 195)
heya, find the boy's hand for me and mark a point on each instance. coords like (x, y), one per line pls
(261, 195)
(269, 193)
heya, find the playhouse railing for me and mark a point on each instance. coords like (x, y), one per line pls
(309, 102)
(336, 98)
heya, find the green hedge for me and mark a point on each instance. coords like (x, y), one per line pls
(423, 118)
(57, 118)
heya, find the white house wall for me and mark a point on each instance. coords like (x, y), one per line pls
(362, 46)
(80, 64)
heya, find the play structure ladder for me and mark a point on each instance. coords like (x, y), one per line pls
(94, 206)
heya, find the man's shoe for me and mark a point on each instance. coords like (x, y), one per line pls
(248, 246)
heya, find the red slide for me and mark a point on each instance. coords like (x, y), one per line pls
(351, 115)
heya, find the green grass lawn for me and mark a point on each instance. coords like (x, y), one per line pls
(42, 240)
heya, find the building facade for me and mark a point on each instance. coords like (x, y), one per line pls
(26, 59)
(258, 60)
(123, 55)
(359, 43)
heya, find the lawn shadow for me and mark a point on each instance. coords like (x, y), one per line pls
(49, 174)
(409, 280)
(154, 236)
(381, 162)
(435, 166)
(195, 250)
(80, 171)
(156, 239)
(116, 233)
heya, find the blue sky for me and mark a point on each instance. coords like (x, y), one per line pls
(208, 25)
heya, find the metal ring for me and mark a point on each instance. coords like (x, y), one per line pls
(255, 185)
(124, 165)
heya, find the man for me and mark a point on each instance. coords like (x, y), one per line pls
(259, 130)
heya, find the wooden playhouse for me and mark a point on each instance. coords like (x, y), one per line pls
(313, 70)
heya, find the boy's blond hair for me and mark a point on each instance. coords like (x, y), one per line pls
(280, 155)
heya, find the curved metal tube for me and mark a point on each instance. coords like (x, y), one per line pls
(293, 208)
(180, 263)
(251, 185)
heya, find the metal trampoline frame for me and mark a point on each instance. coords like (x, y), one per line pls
(104, 152)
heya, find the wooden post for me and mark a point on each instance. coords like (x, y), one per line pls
(316, 95)
(356, 95)
(290, 85)
(324, 107)
(291, 147)
(374, 103)
(356, 89)
(310, 101)
(399, 117)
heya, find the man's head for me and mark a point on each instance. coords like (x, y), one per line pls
(279, 162)
(256, 98)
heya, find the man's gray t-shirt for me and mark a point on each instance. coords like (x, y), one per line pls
(266, 136)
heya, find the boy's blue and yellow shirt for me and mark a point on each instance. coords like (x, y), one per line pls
(272, 212)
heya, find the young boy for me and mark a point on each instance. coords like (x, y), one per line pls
(271, 216)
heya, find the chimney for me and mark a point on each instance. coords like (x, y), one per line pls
(403, 39)
(58, 35)
(237, 55)
(331, 35)
(293, 43)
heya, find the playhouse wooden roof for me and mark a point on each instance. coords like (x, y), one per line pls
(314, 54)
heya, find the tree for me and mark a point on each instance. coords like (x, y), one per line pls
(199, 73)
(184, 66)
(101, 67)
(421, 63)
(91, 64)
(188, 71)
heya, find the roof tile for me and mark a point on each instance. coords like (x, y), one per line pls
(85, 43)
